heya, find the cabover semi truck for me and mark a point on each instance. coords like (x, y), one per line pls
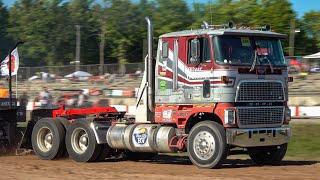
(206, 92)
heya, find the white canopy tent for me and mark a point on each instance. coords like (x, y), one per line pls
(312, 56)
(78, 74)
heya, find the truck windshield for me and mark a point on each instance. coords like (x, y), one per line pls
(241, 50)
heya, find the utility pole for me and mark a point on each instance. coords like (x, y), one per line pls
(78, 45)
(291, 37)
(102, 45)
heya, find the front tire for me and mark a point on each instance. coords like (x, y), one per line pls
(269, 155)
(207, 146)
(81, 142)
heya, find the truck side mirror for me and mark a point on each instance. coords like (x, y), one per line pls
(195, 51)
(165, 50)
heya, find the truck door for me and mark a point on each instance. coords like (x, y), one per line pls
(199, 68)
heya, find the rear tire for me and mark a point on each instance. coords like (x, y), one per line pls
(48, 139)
(207, 146)
(65, 123)
(81, 142)
(269, 155)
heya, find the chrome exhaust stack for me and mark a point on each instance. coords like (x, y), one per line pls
(151, 68)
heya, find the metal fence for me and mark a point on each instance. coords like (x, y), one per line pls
(25, 73)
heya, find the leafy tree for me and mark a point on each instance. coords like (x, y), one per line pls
(48, 26)
(277, 13)
(81, 13)
(43, 26)
(5, 42)
(171, 16)
(311, 24)
(123, 31)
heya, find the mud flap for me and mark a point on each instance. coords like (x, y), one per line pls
(25, 142)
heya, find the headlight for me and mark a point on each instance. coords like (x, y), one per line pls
(229, 116)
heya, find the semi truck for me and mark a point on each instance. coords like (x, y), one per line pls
(11, 112)
(207, 92)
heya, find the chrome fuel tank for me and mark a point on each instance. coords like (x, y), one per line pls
(141, 137)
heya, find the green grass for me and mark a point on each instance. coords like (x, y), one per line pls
(305, 142)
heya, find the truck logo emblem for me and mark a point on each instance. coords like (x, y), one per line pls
(141, 136)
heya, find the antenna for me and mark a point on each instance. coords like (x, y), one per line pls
(211, 13)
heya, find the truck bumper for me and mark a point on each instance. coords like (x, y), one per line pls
(258, 136)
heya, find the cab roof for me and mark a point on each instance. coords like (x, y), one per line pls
(225, 31)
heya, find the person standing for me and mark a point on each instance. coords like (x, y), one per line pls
(45, 97)
(23, 99)
(82, 99)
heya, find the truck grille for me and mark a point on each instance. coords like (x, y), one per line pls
(250, 91)
(260, 116)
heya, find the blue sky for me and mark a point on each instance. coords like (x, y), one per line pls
(300, 6)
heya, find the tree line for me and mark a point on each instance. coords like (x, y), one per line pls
(48, 27)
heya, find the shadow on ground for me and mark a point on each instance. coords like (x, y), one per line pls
(229, 163)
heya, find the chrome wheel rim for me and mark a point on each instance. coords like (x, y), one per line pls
(44, 139)
(204, 145)
(79, 140)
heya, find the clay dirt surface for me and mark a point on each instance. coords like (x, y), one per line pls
(162, 167)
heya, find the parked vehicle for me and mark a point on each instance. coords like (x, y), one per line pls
(205, 92)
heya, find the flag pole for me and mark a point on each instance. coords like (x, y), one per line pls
(10, 77)
(17, 85)
(10, 85)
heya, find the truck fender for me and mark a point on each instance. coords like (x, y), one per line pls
(99, 128)
(196, 118)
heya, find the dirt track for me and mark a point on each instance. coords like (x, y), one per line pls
(30, 167)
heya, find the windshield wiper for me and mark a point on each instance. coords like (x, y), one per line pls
(271, 67)
(254, 61)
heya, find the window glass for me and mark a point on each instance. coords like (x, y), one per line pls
(241, 50)
(204, 50)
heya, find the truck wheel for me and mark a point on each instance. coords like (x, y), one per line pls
(48, 139)
(136, 156)
(207, 146)
(81, 142)
(65, 123)
(269, 155)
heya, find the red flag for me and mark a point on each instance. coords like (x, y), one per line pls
(14, 64)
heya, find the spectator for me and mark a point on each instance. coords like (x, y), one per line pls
(45, 97)
(45, 76)
(23, 99)
(82, 98)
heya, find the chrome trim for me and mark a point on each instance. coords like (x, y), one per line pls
(151, 69)
(258, 137)
(244, 81)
